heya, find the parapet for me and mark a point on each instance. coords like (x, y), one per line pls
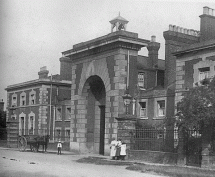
(184, 30)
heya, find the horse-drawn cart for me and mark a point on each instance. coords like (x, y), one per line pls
(34, 141)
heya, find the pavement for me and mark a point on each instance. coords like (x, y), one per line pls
(24, 164)
(107, 158)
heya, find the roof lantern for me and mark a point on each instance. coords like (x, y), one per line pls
(119, 23)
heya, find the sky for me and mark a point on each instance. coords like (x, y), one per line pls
(33, 33)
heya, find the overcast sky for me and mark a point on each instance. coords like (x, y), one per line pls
(33, 33)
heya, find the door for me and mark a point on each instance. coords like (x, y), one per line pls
(102, 129)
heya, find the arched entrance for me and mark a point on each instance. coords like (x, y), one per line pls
(94, 92)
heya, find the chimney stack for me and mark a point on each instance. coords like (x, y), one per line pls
(153, 48)
(207, 25)
(2, 105)
(43, 73)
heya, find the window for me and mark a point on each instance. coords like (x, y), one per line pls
(204, 73)
(22, 120)
(143, 109)
(68, 113)
(59, 116)
(13, 117)
(161, 108)
(67, 135)
(14, 100)
(141, 78)
(32, 97)
(58, 134)
(31, 125)
(23, 99)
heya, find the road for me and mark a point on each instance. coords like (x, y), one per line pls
(14, 164)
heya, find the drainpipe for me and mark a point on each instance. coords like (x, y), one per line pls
(50, 107)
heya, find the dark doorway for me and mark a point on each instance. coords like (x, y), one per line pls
(102, 129)
(95, 114)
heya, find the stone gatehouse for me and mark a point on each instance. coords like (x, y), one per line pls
(100, 70)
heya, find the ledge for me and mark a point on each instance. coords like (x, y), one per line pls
(124, 117)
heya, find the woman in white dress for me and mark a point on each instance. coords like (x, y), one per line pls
(113, 148)
(123, 151)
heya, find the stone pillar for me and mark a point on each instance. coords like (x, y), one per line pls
(126, 130)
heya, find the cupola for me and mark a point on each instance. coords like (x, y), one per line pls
(119, 23)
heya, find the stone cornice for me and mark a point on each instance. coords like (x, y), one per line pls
(38, 82)
(119, 39)
(196, 47)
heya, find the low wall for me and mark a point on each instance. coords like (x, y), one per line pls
(153, 156)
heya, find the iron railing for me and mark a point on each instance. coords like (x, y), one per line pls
(58, 134)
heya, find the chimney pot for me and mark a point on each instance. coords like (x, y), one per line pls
(211, 11)
(206, 10)
(170, 27)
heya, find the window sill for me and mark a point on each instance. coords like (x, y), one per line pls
(160, 117)
(67, 120)
(144, 118)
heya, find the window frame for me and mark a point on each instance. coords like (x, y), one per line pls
(67, 138)
(31, 115)
(22, 115)
(58, 136)
(34, 97)
(57, 113)
(146, 108)
(68, 114)
(156, 109)
(14, 103)
(23, 94)
(141, 79)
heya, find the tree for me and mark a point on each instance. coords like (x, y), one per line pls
(197, 108)
(196, 113)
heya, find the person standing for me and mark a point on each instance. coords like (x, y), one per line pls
(113, 145)
(118, 149)
(123, 151)
(59, 147)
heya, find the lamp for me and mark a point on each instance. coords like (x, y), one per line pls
(127, 100)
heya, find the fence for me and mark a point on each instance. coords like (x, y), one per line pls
(154, 139)
(58, 134)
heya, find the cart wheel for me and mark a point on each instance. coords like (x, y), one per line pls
(22, 143)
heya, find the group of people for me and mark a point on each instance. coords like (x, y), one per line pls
(117, 149)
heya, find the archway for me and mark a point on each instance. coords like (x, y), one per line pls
(94, 92)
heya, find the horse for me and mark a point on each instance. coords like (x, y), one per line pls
(43, 140)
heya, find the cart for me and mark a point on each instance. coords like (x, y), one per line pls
(34, 141)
